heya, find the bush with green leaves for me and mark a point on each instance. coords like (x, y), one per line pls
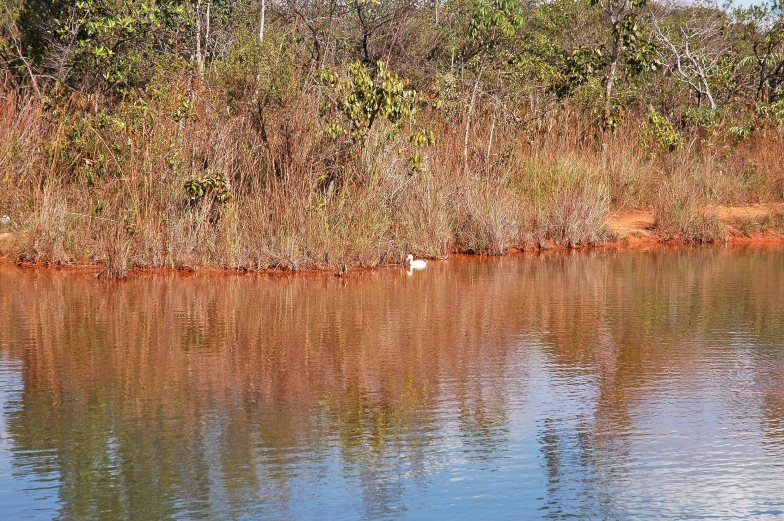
(660, 131)
(504, 16)
(363, 98)
(358, 101)
(702, 117)
(114, 44)
(216, 187)
(771, 113)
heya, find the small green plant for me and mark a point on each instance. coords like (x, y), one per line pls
(98, 208)
(81, 149)
(185, 110)
(773, 113)
(661, 131)
(211, 185)
(740, 131)
(702, 117)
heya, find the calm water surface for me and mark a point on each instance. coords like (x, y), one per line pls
(604, 385)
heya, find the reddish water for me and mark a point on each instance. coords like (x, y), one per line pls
(604, 385)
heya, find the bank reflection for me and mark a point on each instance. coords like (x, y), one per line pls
(173, 397)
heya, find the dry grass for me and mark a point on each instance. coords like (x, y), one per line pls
(679, 213)
(766, 224)
(108, 188)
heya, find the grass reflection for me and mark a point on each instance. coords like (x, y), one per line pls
(173, 397)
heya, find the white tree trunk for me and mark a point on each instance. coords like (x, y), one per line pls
(468, 119)
(206, 34)
(611, 79)
(492, 132)
(261, 23)
(197, 57)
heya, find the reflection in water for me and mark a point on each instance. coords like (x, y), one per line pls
(604, 385)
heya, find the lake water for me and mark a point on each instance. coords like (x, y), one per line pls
(591, 385)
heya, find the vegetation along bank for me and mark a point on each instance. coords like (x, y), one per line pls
(255, 134)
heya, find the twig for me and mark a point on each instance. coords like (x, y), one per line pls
(94, 217)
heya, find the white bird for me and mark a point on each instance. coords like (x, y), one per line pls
(415, 264)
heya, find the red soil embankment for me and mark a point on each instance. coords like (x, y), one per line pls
(635, 228)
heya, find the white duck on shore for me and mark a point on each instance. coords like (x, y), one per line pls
(415, 264)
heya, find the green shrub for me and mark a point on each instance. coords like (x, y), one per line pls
(216, 186)
(660, 131)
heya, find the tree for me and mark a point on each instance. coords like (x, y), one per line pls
(626, 38)
(108, 43)
(693, 47)
(763, 32)
(492, 22)
(13, 60)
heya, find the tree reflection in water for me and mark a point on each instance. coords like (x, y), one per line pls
(513, 383)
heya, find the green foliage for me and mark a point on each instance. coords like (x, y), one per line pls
(741, 130)
(504, 16)
(723, 79)
(113, 43)
(661, 131)
(700, 116)
(772, 113)
(8, 31)
(254, 72)
(186, 110)
(450, 100)
(80, 149)
(211, 186)
(579, 67)
(639, 51)
(547, 52)
(361, 99)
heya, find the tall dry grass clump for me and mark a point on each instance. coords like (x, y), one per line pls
(572, 199)
(48, 225)
(679, 213)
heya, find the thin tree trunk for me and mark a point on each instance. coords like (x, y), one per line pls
(492, 127)
(206, 34)
(611, 79)
(29, 68)
(468, 120)
(258, 75)
(707, 91)
(261, 23)
(197, 57)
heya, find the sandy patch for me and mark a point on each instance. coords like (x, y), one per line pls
(633, 224)
(752, 211)
(638, 226)
(7, 242)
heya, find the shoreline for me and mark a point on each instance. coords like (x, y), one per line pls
(634, 229)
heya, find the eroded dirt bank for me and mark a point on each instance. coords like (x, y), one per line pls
(744, 224)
